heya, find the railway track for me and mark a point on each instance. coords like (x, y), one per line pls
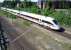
(65, 34)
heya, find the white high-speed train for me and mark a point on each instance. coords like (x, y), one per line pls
(39, 19)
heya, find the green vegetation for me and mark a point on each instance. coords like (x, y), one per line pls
(11, 15)
(32, 9)
(63, 17)
(66, 46)
(13, 18)
(24, 24)
(3, 13)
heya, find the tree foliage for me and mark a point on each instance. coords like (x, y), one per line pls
(10, 4)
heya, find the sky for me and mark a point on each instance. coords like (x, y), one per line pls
(34, 0)
(31, 0)
(1, 0)
(22, 0)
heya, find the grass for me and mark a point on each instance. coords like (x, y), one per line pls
(2, 13)
(23, 23)
(67, 46)
(14, 18)
(6, 14)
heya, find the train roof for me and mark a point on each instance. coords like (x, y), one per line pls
(33, 15)
(47, 18)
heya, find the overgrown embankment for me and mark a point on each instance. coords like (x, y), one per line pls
(38, 38)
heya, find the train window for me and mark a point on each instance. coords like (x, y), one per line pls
(47, 22)
(55, 21)
(29, 17)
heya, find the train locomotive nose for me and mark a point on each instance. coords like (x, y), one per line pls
(57, 28)
(61, 29)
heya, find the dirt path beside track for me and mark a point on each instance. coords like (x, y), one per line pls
(34, 37)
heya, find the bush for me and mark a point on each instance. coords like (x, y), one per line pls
(63, 18)
(35, 9)
(46, 11)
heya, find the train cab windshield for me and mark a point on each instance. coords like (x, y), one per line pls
(55, 22)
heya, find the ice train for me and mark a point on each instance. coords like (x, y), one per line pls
(39, 19)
